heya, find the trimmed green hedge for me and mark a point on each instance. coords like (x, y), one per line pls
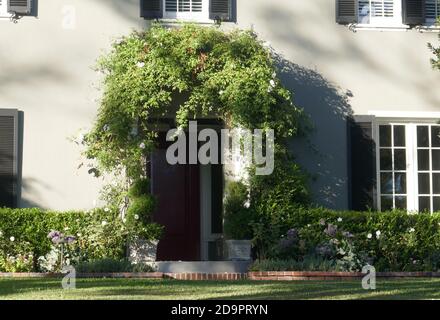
(99, 234)
(390, 241)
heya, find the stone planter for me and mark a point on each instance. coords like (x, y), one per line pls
(142, 251)
(238, 250)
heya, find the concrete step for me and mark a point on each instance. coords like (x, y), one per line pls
(203, 266)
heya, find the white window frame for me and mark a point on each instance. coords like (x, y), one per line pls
(382, 22)
(412, 183)
(202, 16)
(4, 14)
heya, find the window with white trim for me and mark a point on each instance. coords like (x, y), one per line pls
(197, 10)
(408, 175)
(4, 9)
(432, 11)
(380, 12)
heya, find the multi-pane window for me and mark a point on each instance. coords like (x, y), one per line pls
(4, 9)
(393, 167)
(378, 11)
(408, 167)
(432, 10)
(428, 167)
(186, 9)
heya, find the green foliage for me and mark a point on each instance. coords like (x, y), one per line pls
(139, 188)
(390, 241)
(237, 215)
(111, 265)
(436, 51)
(309, 263)
(140, 209)
(99, 233)
(184, 73)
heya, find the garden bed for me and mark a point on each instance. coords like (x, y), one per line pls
(257, 276)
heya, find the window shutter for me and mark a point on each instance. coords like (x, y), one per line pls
(20, 7)
(152, 9)
(414, 12)
(220, 10)
(362, 160)
(8, 158)
(346, 11)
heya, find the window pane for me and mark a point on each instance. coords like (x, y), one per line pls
(435, 159)
(436, 204)
(424, 204)
(386, 159)
(424, 183)
(435, 136)
(400, 183)
(386, 203)
(422, 136)
(385, 136)
(423, 160)
(399, 136)
(399, 159)
(436, 183)
(401, 202)
(386, 183)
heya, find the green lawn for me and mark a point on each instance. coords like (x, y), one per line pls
(172, 289)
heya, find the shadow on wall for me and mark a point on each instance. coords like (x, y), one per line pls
(323, 153)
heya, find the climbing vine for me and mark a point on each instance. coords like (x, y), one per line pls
(184, 73)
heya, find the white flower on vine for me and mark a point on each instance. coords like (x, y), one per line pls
(136, 217)
(66, 228)
(140, 64)
(369, 236)
(412, 230)
(1, 233)
(339, 219)
(378, 233)
(106, 209)
(221, 92)
(79, 234)
(142, 146)
(12, 239)
(104, 223)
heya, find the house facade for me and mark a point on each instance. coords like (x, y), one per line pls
(360, 68)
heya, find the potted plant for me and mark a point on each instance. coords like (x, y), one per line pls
(237, 223)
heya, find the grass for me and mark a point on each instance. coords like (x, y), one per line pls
(132, 289)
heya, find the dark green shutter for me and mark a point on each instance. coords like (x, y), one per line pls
(346, 11)
(20, 7)
(414, 12)
(220, 10)
(8, 158)
(151, 9)
(362, 164)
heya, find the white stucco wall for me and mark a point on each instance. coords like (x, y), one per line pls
(46, 72)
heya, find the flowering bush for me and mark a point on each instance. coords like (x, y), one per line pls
(390, 241)
(35, 240)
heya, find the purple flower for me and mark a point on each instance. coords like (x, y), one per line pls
(70, 239)
(331, 230)
(292, 234)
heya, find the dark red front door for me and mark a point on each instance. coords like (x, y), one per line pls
(177, 190)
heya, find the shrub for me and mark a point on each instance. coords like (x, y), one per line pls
(391, 241)
(309, 263)
(24, 232)
(237, 215)
(140, 209)
(140, 187)
(111, 265)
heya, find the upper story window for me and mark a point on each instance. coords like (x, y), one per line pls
(192, 10)
(387, 13)
(432, 11)
(186, 9)
(4, 9)
(379, 12)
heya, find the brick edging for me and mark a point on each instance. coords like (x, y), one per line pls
(256, 276)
